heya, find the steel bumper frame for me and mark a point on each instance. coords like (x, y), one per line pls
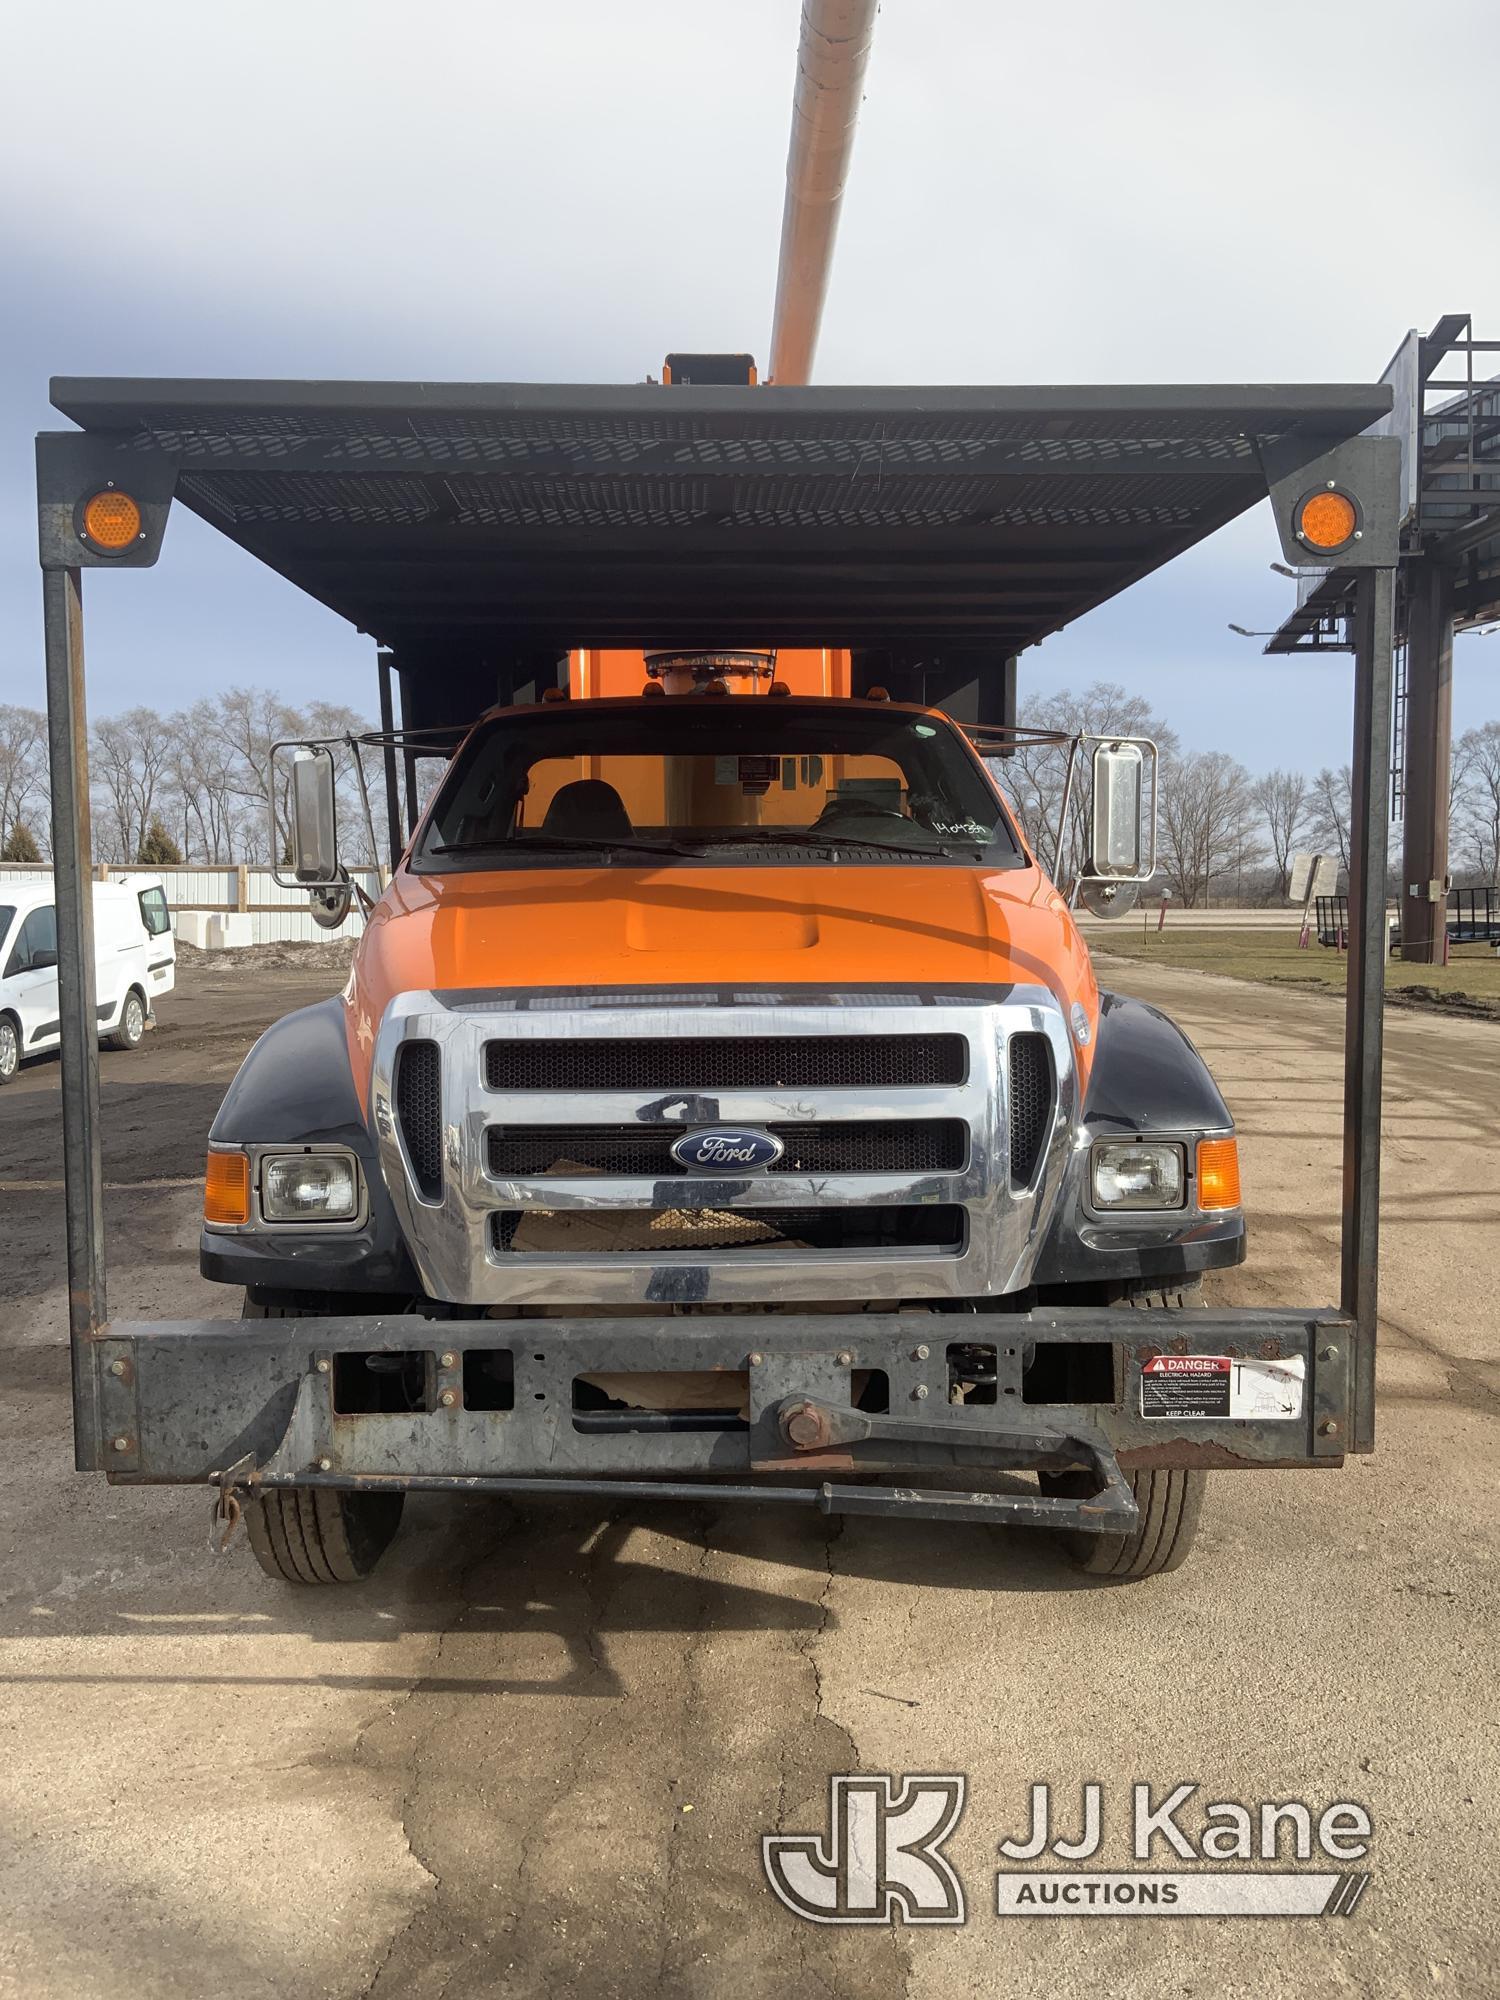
(253, 1402)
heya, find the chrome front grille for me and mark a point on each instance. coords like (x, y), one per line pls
(920, 1163)
(841, 1146)
(719, 1062)
(419, 1106)
(644, 1231)
(1030, 1104)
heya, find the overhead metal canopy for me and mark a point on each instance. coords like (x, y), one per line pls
(459, 519)
(1319, 622)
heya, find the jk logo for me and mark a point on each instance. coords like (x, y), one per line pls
(882, 1858)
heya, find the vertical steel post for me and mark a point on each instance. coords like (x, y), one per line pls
(387, 728)
(408, 764)
(72, 876)
(1428, 754)
(1365, 992)
(997, 693)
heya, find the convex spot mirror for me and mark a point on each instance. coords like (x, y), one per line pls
(1123, 832)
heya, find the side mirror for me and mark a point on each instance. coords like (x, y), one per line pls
(42, 961)
(1123, 846)
(315, 853)
(314, 836)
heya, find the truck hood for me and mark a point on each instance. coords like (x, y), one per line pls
(919, 928)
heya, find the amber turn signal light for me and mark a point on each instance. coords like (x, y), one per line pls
(1218, 1173)
(226, 1188)
(1327, 520)
(111, 521)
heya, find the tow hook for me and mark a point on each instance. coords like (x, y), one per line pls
(227, 1511)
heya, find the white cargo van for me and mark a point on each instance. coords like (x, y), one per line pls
(135, 959)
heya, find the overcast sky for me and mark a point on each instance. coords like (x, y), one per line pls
(1247, 192)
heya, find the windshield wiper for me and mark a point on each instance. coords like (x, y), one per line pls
(773, 837)
(564, 843)
(702, 849)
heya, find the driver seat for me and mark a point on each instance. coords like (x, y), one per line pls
(588, 809)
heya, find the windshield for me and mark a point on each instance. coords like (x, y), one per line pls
(710, 779)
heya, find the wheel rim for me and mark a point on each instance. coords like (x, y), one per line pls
(135, 1020)
(10, 1053)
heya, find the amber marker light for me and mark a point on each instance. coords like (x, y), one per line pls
(226, 1188)
(111, 521)
(1218, 1173)
(1327, 520)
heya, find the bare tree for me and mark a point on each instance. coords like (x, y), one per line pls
(1477, 770)
(1329, 812)
(210, 811)
(1207, 823)
(23, 773)
(250, 721)
(129, 760)
(1281, 798)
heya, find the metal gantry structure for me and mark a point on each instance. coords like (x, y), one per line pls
(476, 532)
(1446, 414)
(918, 522)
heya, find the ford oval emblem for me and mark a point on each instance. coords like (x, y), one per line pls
(726, 1149)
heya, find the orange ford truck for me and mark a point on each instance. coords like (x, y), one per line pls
(722, 1101)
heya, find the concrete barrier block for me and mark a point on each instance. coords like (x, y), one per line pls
(191, 927)
(229, 931)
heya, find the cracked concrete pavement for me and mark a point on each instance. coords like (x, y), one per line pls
(536, 1753)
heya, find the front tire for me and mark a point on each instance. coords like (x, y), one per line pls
(10, 1049)
(316, 1534)
(1170, 1504)
(321, 1534)
(1170, 1501)
(131, 1031)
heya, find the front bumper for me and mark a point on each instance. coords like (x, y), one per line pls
(186, 1401)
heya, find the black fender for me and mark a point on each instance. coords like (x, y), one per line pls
(1146, 1077)
(295, 1088)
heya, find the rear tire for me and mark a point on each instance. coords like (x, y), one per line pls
(1170, 1501)
(132, 1029)
(10, 1049)
(317, 1534)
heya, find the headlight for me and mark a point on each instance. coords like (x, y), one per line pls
(1139, 1174)
(308, 1187)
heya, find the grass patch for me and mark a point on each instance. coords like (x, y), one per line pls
(1469, 983)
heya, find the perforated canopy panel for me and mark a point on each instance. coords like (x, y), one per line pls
(462, 518)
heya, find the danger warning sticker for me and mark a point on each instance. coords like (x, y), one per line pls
(1197, 1386)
